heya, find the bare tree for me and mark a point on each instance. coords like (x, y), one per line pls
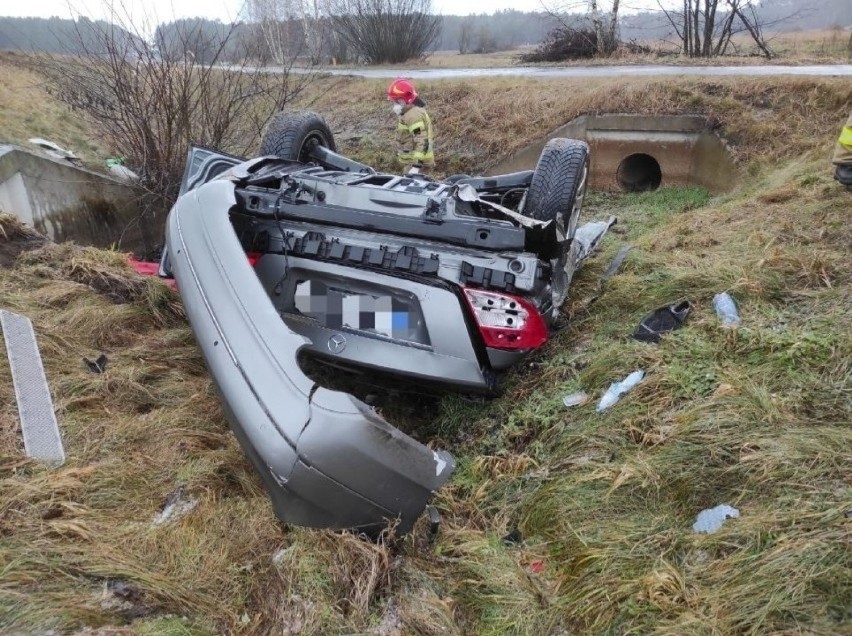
(279, 24)
(605, 26)
(465, 35)
(150, 107)
(602, 14)
(291, 27)
(705, 28)
(386, 31)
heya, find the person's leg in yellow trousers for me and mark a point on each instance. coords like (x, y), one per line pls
(843, 155)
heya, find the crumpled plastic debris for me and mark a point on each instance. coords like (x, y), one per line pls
(575, 399)
(617, 389)
(53, 150)
(117, 168)
(726, 310)
(662, 320)
(586, 238)
(174, 508)
(710, 520)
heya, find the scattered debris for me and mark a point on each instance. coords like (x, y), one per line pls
(513, 539)
(98, 366)
(575, 399)
(280, 555)
(617, 389)
(662, 320)
(174, 508)
(434, 521)
(124, 599)
(726, 309)
(117, 169)
(614, 265)
(53, 150)
(42, 440)
(586, 239)
(537, 567)
(712, 519)
(589, 235)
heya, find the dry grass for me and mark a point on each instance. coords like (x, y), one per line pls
(827, 46)
(480, 122)
(757, 418)
(27, 110)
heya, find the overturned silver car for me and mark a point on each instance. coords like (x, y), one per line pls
(304, 251)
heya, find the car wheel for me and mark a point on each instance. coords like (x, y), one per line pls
(294, 135)
(558, 184)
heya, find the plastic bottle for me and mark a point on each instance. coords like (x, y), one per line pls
(726, 310)
(617, 389)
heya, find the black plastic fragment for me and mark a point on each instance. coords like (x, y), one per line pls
(514, 538)
(662, 320)
(98, 366)
(434, 520)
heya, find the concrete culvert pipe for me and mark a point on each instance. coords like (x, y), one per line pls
(639, 173)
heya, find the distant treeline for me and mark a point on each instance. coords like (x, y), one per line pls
(204, 38)
(471, 34)
(54, 35)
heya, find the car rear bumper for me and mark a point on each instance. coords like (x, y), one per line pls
(442, 349)
(327, 459)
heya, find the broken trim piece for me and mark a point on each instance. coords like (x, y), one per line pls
(40, 430)
(466, 192)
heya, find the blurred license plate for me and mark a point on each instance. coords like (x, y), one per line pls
(393, 317)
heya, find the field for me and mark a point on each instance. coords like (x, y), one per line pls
(829, 46)
(757, 417)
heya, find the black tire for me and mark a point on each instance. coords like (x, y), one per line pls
(293, 135)
(559, 183)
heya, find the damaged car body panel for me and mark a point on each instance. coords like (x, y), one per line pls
(309, 254)
(326, 459)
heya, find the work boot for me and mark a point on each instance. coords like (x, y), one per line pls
(844, 174)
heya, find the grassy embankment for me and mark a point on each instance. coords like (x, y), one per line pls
(27, 110)
(757, 418)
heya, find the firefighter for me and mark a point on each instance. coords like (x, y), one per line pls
(843, 155)
(414, 128)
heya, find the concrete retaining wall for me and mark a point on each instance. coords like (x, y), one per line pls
(67, 203)
(684, 147)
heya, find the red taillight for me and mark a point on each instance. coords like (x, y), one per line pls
(505, 321)
(253, 257)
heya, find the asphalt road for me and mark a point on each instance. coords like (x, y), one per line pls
(834, 70)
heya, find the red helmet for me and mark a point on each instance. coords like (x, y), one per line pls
(402, 89)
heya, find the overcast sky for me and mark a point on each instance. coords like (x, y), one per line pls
(226, 10)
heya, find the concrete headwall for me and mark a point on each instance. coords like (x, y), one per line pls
(67, 203)
(686, 150)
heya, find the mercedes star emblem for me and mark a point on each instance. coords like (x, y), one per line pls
(337, 343)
